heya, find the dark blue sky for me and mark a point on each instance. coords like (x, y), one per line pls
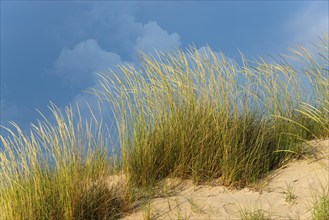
(51, 50)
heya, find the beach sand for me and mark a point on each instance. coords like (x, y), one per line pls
(287, 193)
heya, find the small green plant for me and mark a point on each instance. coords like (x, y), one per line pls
(320, 209)
(258, 214)
(290, 194)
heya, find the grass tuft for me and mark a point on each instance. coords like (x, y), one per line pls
(98, 201)
(321, 208)
(55, 171)
(254, 215)
(200, 115)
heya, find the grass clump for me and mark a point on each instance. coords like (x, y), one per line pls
(193, 114)
(258, 214)
(321, 208)
(200, 115)
(57, 171)
(290, 194)
(99, 202)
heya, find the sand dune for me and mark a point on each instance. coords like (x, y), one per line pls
(288, 193)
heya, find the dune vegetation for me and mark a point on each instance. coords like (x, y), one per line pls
(192, 114)
(320, 209)
(199, 115)
(57, 171)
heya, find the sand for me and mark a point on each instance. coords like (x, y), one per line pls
(287, 193)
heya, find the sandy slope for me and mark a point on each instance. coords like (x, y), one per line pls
(288, 193)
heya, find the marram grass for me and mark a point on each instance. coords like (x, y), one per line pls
(58, 171)
(321, 208)
(194, 114)
(200, 115)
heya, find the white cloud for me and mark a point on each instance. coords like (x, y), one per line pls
(120, 32)
(155, 38)
(117, 36)
(77, 66)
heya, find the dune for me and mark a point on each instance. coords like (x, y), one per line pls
(287, 193)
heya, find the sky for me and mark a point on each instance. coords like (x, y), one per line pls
(52, 50)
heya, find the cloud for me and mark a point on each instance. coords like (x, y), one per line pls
(77, 66)
(113, 33)
(155, 38)
(114, 26)
(114, 39)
